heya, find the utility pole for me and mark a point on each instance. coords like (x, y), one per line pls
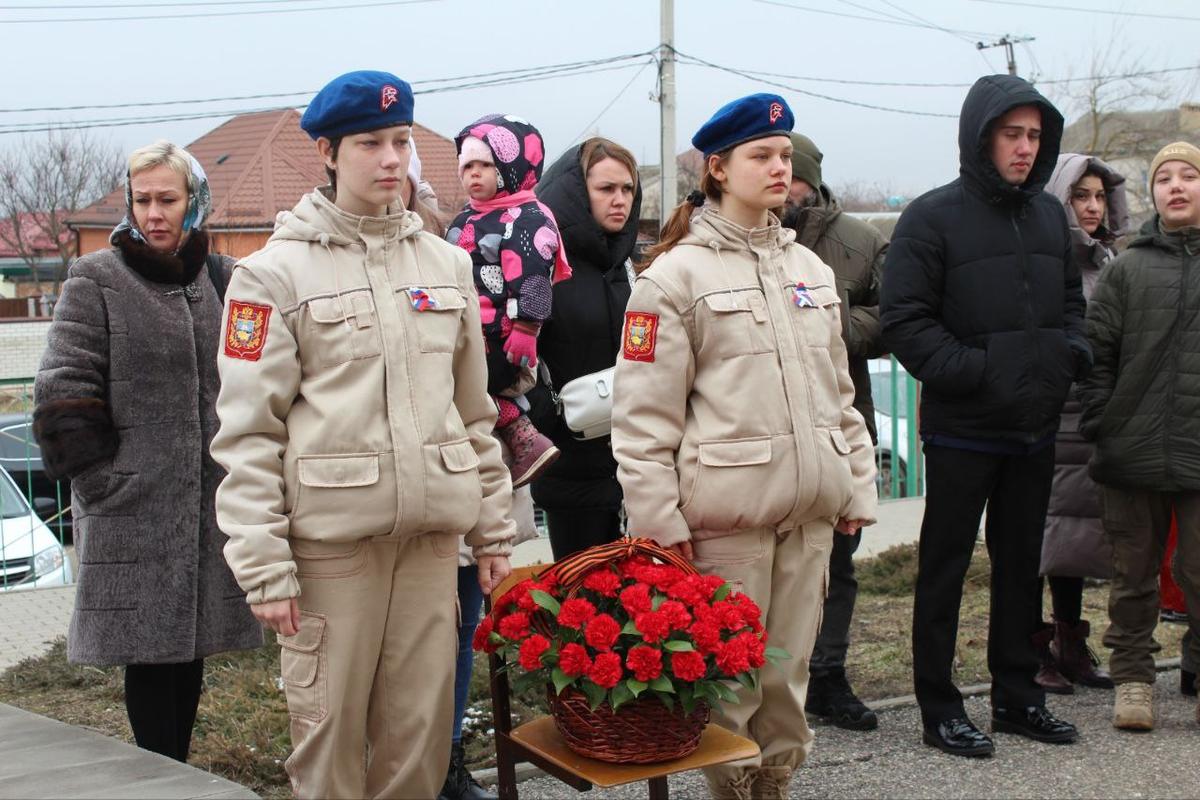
(666, 100)
(1007, 43)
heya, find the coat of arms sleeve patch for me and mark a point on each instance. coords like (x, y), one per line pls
(641, 334)
(246, 330)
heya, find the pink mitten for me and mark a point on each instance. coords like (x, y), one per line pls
(521, 344)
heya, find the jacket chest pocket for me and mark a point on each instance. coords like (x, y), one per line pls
(340, 329)
(735, 323)
(814, 313)
(437, 315)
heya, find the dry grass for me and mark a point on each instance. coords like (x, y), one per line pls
(242, 726)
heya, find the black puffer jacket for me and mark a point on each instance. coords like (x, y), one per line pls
(981, 300)
(1142, 402)
(582, 335)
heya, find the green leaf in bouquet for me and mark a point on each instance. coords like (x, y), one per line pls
(595, 694)
(677, 646)
(662, 684)
(726, 694)
(561, 680)
(705, 691)
(545, 601)
(636, 686)
(776, 654)
(746, 679)
(722, 593)
(687, 698)
(631, 628)
(667, 700)
(496, 639)
(657, 602)
(621, 695)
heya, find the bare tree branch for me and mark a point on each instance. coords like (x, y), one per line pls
(43, 182)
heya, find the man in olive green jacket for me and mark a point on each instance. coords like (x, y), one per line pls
(854, 250)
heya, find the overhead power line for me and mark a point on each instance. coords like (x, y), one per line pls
(843, 101)
(144, 6)
(1083, 9)
(198, 14)
(883, 20)
(42, 126)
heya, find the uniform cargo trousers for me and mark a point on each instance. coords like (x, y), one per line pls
(1016, 492)
(370, 676)
(1137, 524)
(787, 576)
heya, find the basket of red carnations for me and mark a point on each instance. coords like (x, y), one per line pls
(634, 646)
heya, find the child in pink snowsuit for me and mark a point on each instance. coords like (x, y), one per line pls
(516, 256)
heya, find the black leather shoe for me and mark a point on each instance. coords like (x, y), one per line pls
(1187, 683)
(1034, 722)
(958, 737)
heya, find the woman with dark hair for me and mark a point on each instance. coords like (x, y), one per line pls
(595, 195)
(125, 400)
(1093, 195)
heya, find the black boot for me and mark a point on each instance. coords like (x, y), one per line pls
(831, 699)
(1187, 683)
(460, 785)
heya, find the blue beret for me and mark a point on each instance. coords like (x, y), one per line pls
(365, 100)
(746, 118)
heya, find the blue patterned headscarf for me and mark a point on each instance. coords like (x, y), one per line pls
(198, 210)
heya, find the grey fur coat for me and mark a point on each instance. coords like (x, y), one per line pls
(124, 407)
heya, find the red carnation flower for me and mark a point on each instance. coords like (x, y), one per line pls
(755, 649)
(480, 640)
(751, 613)
(606, 670)
(689, 590)
(644, 662)
(676, 613)
(526, 602)
(709, 585)
(575, 612)
(515, 625)
(531, 651)
(573, 660)
(688, 666)
(603, 581)
(733, 657)
(602, 632)
(706, 635)
(729, 616)
(654, 626)
(636, 599)
(630, 566)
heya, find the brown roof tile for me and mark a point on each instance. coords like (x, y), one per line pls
(261, 164)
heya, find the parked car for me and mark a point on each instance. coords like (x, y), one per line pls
(21, 456)
(890, 453)
(30, 555)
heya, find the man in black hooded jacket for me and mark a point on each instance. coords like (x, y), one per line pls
(981, 303)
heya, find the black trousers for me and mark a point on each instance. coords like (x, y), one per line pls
(161, 700)
(572, 531)
(833, 641)
(1016, 491)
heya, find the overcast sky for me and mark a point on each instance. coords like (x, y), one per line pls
(149, 57)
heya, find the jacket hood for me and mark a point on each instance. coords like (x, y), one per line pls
(1152, 234)
(709, 229)
(1067, 172)
(810, 221)
(316, 219)
(564, 190)
(517, 150)
(990, 98)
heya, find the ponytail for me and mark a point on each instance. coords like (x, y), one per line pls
(680, 220)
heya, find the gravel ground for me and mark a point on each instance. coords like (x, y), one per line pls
(892, 761)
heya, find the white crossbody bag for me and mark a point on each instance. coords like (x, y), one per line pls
(586, 403)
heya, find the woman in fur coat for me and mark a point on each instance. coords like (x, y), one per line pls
(124, 409)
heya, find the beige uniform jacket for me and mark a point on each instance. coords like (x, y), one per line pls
(733, 406)
(353, 396)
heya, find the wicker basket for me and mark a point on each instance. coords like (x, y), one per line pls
(644, 730)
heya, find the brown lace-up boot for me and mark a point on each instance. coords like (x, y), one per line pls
(1075, 660)
(1048, 676)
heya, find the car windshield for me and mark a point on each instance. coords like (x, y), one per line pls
(12, 504)
(881, 393)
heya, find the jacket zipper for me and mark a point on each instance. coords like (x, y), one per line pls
(1030, 326)
(1168, 426)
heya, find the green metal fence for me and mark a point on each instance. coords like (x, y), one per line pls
(898, 455)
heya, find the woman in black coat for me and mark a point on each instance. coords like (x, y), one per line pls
(594, 193)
